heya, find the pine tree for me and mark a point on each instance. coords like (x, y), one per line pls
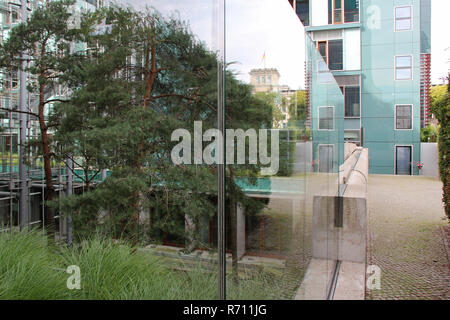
(46, 38)
(142, 80)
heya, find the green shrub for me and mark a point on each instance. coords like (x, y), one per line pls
(441, 109)
(31, 269)
(28, 268)
(428, 134)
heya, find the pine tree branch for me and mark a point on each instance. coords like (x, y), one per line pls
(19, 111)
(55, 100)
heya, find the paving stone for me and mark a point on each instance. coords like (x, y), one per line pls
(406, 240)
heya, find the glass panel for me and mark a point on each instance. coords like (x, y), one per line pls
(403, 24)
(352, 98)
(326, 118)
(338, 16)
(336, 56)
(337, 11)
(403, 117)
(128, 193)
(302, 10)
(352, 136)
(135, 184)
(351, 10)
(402, 12)
(403, 74)
(403, 61)
(270, 201)
(323, 49)
(327, 149)
(330, 11)
(403, 66)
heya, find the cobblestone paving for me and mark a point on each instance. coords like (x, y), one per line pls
(406, 239)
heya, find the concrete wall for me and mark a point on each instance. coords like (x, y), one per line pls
(346, 242)
(429, 159)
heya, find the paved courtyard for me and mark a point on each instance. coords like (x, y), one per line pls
(406, 239)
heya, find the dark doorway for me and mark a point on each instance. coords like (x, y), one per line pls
(403, 160)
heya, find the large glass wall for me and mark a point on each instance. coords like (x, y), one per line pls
(285, 233)
(206, 136)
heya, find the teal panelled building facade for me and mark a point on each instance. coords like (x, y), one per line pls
(377, 53)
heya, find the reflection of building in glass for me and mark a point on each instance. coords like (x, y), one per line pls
(266, 80)
(378, 53)
(10, 16)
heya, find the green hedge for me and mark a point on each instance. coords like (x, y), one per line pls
(441, 109)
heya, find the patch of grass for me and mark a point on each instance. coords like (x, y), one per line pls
(30, 269)
(27, 268)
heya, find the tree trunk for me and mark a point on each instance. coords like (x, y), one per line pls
(86, 177)
(150, 72)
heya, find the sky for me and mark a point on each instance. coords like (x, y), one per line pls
(440, 40)
(255, 27)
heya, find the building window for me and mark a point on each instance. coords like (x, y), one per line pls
(403, 68)
(352, 98)
(330, 11)
(337, 11)
(403, 117)
(332, 53)
(335, 55)
(326, 118)
(340, 11)
(302, 10)
(403, 18)
(11, 82)
(322, 47)
(326, 158)
(352, 136)
(351, 11)
(12, 17)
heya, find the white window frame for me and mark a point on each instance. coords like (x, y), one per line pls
(412, 67)
(318, 118)
(412, 18)
(412, 116)
(412, 156)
